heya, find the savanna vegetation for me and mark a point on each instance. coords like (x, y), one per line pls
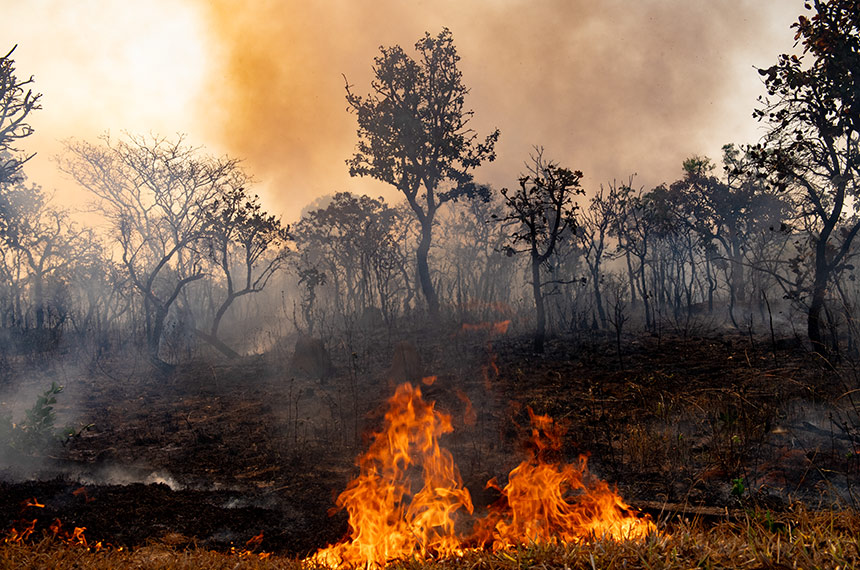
(698, 339)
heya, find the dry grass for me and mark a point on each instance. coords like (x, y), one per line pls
(795, 539)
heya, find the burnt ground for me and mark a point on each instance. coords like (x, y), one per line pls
(218, 451)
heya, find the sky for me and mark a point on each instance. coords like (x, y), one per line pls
(612, 88)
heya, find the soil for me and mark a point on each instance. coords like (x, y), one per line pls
(217, 451)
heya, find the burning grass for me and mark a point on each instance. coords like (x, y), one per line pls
(405, 501)
(797, 538)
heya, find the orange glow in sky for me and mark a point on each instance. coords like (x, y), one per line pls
(611, 87)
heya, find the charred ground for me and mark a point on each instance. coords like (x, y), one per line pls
(217, 451)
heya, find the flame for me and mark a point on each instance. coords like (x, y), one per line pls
(550, 502)
(403, 503)
(498, 328)
(250, 550)
(14, 535)
(470, 416)
(31, 503)
(74, 537)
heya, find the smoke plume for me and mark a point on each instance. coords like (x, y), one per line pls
(610, 88)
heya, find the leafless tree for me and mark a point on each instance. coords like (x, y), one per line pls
(156, 194)
(17, 101)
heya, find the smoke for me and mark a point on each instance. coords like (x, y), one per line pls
(610, 88)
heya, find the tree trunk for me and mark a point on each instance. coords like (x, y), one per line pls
(813, 322)
(632, 277)
(153, 339)
(598, 298)
(540, 312)
(738, 276)
(212, 336)
(39, 300)
(424, 270)
(217, 344)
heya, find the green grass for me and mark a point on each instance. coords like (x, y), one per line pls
(795, 539)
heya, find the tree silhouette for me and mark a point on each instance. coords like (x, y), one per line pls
(246, 244)
(540, 212)
(356, 239)
(811, 150)
(157, 194)
(413, 134)
(17, 101)
(728, 211)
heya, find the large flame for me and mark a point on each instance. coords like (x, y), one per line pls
(404, 500)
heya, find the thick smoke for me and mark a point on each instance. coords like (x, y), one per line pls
(607, 87)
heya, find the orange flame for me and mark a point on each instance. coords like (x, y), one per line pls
(404, 500)
(28, 527)
(14, 535)
(548, 502)
(250, 550)
(393, 514)
(498, 328)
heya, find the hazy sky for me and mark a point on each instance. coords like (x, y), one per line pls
(609, 87)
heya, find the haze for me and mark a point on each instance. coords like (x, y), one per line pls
(610, 88)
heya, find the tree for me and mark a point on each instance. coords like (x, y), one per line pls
(414, 134)
(17, 101)
(246, 244)
(46, 243)
(812, 148)
(156, 194)
(728, 211)
(630, 226)
(541, 211)
(479, 274)
(357, 239)
(592, 233)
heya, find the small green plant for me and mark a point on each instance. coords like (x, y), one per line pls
(36, 433)
(769, 522)
(738, 487)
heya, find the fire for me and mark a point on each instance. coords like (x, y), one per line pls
(404, 501)
(550, 502)
(498, 328)
(73, 537)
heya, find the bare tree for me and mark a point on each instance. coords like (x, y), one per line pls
(592, 234)
(155, 193)
(48, 243)
(17, 101)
